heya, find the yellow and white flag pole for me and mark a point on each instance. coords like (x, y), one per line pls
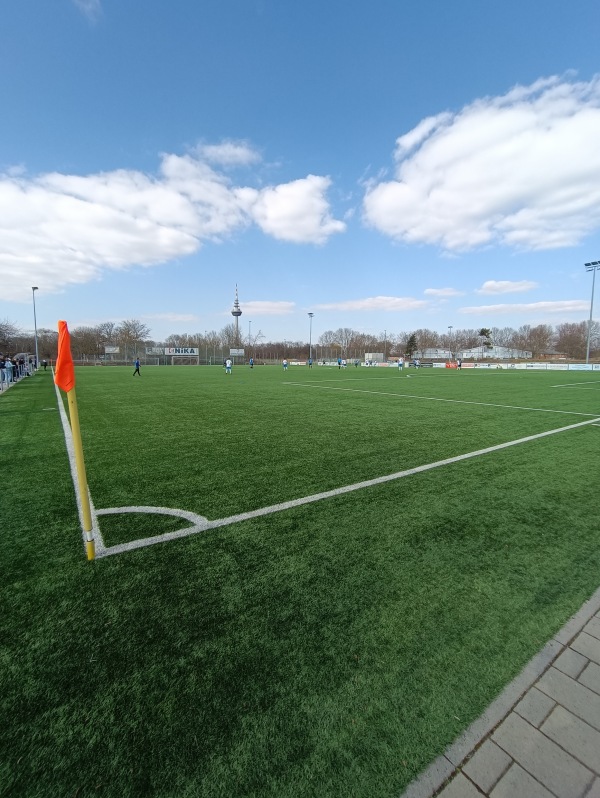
(64, 377)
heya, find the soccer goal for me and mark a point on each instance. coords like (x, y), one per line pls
(185, 361)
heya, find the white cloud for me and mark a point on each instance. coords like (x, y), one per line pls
(296, 211)
(229, 153)
(506, 287)
(263, 308)
(561, 306)
(522, 169)
(60, 229)
(384, 303)
(91, 8)
(443, 292)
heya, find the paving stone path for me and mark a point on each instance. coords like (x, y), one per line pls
(541, 737)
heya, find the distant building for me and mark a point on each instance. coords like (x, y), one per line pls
(434, 354)
(494, 353)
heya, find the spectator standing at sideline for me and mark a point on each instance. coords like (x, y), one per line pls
(137, 367)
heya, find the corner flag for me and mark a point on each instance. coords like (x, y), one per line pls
(64, 377)
(64, 374)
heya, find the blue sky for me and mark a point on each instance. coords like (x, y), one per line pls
(384, 165)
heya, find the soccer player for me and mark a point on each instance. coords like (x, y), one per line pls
(228, 366)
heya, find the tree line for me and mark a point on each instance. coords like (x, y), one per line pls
(133, 337)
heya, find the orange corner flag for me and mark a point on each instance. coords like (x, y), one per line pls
(64, 373)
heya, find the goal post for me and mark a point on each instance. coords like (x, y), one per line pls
(183, 355)
(179, 360)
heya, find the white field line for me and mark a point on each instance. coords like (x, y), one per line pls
(202, 524)
(577, 384)
(438, 399)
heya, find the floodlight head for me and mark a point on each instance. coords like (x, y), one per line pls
(34, 288)
(593, 264)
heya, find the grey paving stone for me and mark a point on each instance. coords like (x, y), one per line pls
(593, 627)
(574, 696)
(571, 663)
(575, 736)
(595, 791)
(501, 706)
(588, 646)
(543, 759)
(460, 787)
(576, 623)
(518, 782)
(535, 707)
(430, 780)
(487, 765)
(591, 677)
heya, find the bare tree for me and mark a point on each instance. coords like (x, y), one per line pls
(503, 336)
(47, 343)
(8, 332)
(571, 338)
(227, 337)
(540, 339)
(85, 343)
(131, 334)
(106, 332)
(427, 339)
(521, 337)
(343, 337)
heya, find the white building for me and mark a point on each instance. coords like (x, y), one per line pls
(493, 353)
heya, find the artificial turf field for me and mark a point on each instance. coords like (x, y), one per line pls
(329, 649)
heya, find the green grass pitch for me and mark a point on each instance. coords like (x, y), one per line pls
(331, 649)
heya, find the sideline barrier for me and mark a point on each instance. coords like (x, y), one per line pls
(535, 366)
(470, 365)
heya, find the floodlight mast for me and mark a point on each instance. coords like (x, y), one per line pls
(310, 316)
(592, 266)
(34, 288)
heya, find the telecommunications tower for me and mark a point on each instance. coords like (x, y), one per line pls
(236, 312)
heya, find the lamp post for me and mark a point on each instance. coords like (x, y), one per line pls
(385, 346)
(591, 267)
(205, 349)
(34, 288)
(450, 339)
(310, 316)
